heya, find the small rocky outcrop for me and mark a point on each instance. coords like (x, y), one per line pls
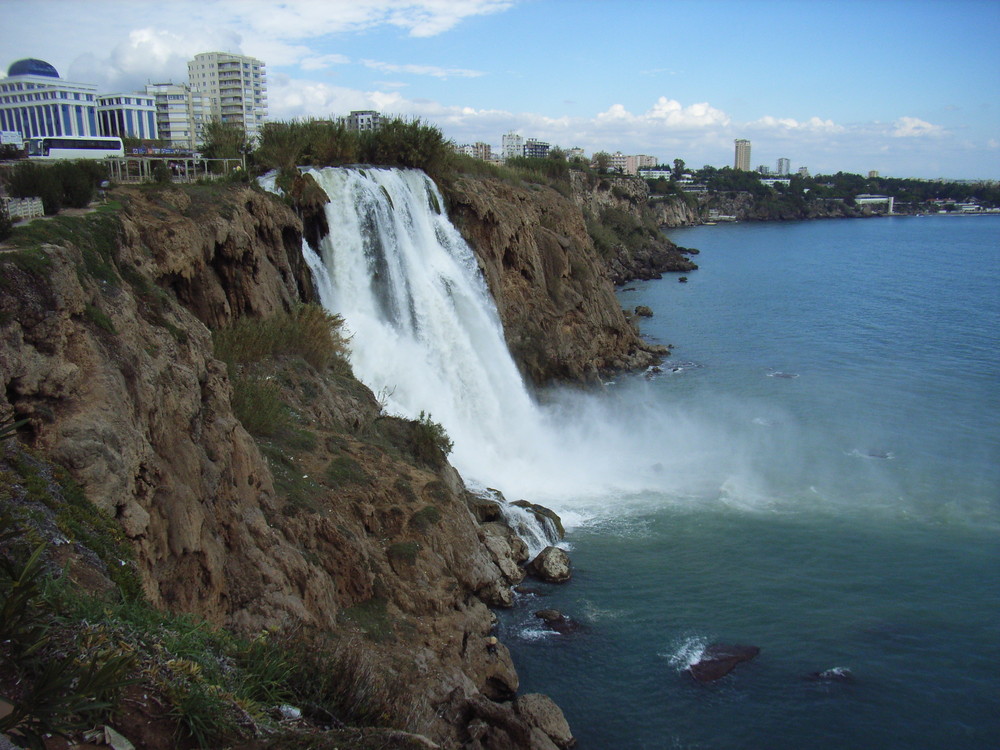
(552, 565)
(532, 721)
(645, 312)
(719, 659)
(547, 517)
(557, 621)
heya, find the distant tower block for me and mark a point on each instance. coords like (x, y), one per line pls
(742, 162)
(784, 167)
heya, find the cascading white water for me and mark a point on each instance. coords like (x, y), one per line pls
(427, 338)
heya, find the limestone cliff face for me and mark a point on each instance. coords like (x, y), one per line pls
(552, 290)
(678, 212)
(105, 348)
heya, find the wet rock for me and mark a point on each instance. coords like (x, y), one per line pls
(505, 548)
(545, 516)
(683, 280)
(552, 565)
(719, 659)
(557, 621)
(834, 674)
(643, 311)
(529, 591)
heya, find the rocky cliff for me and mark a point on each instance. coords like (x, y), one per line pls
(341, 520)
(553, 290)
(695, 208)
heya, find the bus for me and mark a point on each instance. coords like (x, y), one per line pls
(74, 147)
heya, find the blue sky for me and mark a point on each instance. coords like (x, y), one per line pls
(907, 87)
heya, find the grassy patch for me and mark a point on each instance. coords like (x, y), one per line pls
(372, 617)
(99, 318)
(344, 470)
(307, 331)
(425, 518)
(403, 552)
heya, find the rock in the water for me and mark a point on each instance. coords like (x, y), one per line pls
(643, 311)
(719, 659)
(545, 516)
(557, 621)
(834, 674)
(552, 565)
(683, 280)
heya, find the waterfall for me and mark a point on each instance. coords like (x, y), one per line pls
(426, 337)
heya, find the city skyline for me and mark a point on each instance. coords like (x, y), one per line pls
(908, 89)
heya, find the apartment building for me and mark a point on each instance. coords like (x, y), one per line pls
(181, 114)
(742, 160)
(363, 119)
(234, 88)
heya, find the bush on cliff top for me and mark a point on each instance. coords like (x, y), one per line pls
(397, 143)
(307, 331)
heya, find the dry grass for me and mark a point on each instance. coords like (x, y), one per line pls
(307, 331)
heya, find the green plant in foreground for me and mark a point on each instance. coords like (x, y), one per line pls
(48, 695)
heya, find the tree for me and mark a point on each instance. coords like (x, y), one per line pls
(678, 168)
(602, 161)
(224, 140)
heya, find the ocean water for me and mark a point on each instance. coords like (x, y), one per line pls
(819, 476)
(815, 472)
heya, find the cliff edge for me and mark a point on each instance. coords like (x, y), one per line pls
(332, 517)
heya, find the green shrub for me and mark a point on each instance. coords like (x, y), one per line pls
(99, 318)
(257, 404)
(403, 552)
(30, 179)
(344, 470)
(6, 224)
(424, 518)
(307, 331)
(431, 442)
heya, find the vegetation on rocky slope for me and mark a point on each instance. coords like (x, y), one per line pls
(340, 532)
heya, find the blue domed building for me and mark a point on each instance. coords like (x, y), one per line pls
(36, 102)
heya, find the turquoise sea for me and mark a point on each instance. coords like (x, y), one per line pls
(833, 405)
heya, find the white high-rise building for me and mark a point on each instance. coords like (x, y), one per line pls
(234, 87)
(742, 161)
(784, 167)
(363, 119)
(512, 146)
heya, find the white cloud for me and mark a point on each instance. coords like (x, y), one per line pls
(913, 127)
(321, 62)
(669, 113)
(422, 70)
(812, 125)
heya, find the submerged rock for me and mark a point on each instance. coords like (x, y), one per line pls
(719, 659)
(557, 621)
(552, 565)
(834, 674)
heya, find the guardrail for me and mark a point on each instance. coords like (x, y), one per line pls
(24, 208)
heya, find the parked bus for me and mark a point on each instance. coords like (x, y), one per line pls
(74, 147)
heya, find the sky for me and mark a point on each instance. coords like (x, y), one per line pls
(910, 88)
